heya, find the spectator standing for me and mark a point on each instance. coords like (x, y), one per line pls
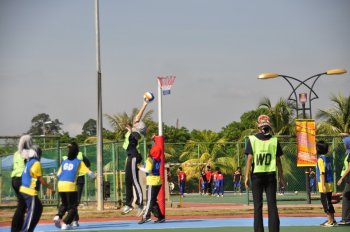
(215, 184)
(324, 177)
(220, 184)
(208, 176)
(313, 181)
(181, 179)
(203, 182)
(237, 180)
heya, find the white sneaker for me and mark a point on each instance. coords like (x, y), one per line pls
(126, 209)
(327, 224)
(65, 227)
(75, 224)
(57, 221)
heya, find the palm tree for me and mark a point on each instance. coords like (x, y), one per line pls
(206, 147)
(337, 119)
(119, 122)
(281, 115)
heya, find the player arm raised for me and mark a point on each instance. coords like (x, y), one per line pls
(140, 113)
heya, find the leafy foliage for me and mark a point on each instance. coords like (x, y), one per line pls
(42, 124)
(337, 119)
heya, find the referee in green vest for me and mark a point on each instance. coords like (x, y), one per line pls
(263, 161)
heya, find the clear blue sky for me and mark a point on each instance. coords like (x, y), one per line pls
(216, 49)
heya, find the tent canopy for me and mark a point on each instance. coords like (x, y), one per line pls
(7, 161)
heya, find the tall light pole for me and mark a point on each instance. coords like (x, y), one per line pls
(303, 99)
(312, 94)
(99, 143)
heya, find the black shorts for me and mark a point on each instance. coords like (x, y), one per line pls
(326, 200)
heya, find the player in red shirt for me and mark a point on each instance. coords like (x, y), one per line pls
(220, 184)
(181, 178)
(208, 175)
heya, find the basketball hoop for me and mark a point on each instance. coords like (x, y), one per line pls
(166, 83)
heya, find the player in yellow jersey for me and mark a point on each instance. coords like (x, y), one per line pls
(324, 176)
(154, 183)
(31, 180)
(67, 174)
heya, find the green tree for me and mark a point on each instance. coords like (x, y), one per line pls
(232, 132)
(281, 115)
(248, 123)
(337, 119)
(175, 135)
(42, 124)
(119, 122)
(174, 140)
(89, 127)
(206, 147)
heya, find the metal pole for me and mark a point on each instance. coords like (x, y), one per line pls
(199, 171)
(161, 194)
(160, 118)
(99, 113)
(303, 107)
(307, 176)
(114, 174)
(334, 166)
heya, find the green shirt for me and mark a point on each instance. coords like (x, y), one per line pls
(18, 165)
(264, 154)
(346, 164)
(126, 141)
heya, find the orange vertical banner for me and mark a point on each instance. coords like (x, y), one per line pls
(306, 142)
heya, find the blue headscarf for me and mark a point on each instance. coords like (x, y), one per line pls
(346, 142)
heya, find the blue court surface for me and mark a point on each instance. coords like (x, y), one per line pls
(178, 224)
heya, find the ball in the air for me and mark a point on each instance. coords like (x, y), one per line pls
(148, 96)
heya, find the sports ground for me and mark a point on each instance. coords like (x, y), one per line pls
(195, 214)
(194, 225)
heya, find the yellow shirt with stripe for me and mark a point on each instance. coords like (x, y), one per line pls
(35, 173)
(322, 167)
(151, 179)
(67, 186)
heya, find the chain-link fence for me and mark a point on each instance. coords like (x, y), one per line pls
(114, 160)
